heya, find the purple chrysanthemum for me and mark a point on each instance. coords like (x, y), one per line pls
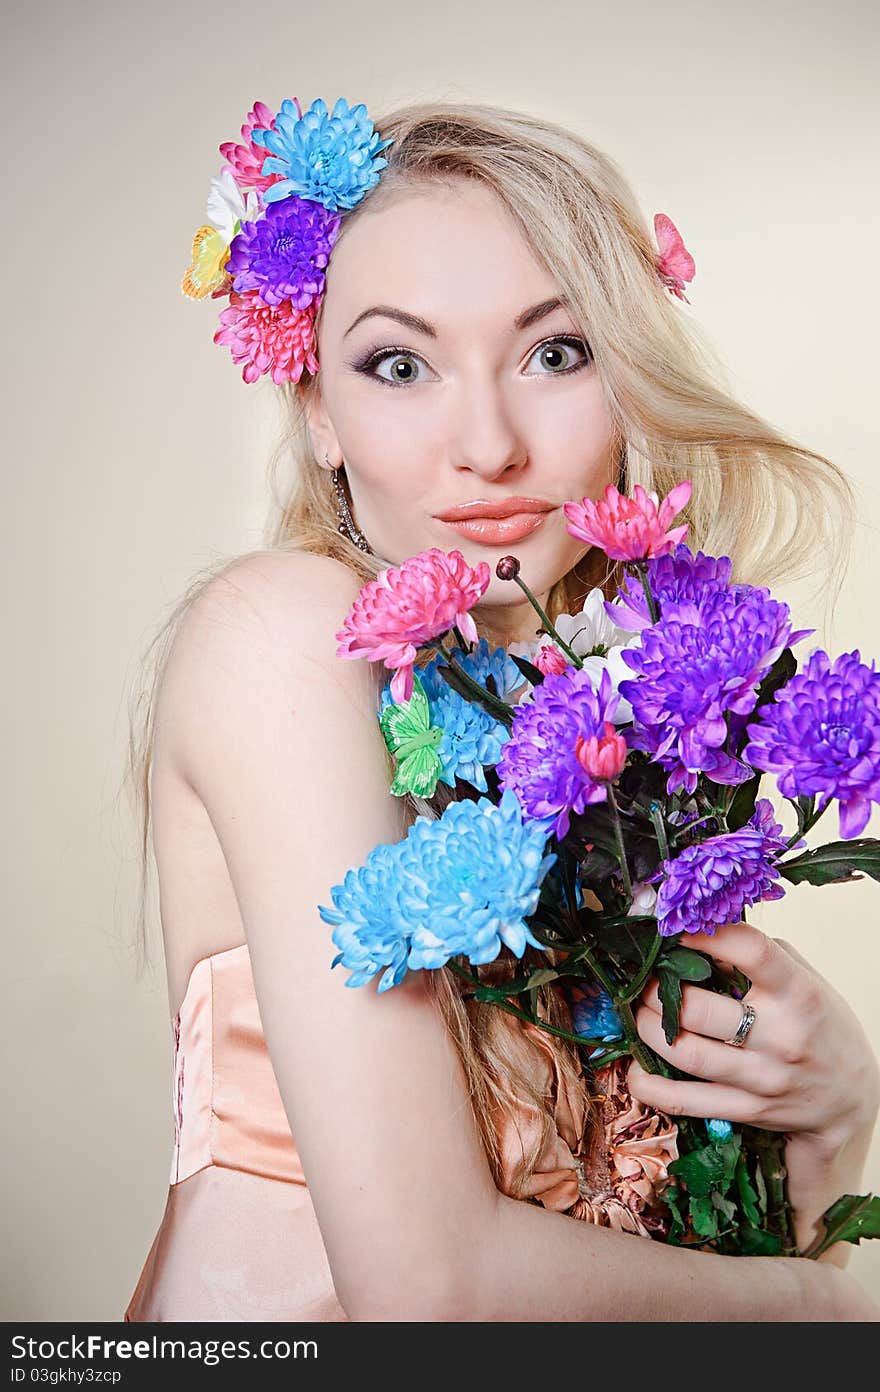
(697, 664)
(821, 735)
(539, 761)
(709, 884)
(678, 576)
(283, 253)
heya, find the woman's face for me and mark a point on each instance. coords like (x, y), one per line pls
(483, 399)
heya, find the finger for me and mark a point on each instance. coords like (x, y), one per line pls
(707, 1058)
(744, 946)
(703, 1012)
(793, 952)
(686, 1098)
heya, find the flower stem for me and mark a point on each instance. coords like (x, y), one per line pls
(642, 572)
(500, 709)
(639, 1051)
(621, 849)
(810, 820)
(636, 987)
(769, 1148)
(524, 1015)
(660, 827)
(550, 627)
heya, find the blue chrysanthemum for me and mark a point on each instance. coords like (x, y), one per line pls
(719, 1129)
(592, 1012)
(461, 884)
(539, 761)
(472, 739)
(821, 735)
(282, 254)
(330, 158)
(710, 884)
(698, 664)
(372, 924)
(679, 576)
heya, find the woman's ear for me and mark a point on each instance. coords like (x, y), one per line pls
(325, 445)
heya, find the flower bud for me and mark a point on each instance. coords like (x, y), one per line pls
(602, 758)
(550, 661)
(507, 568)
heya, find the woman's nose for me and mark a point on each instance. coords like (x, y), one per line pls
(485, 437)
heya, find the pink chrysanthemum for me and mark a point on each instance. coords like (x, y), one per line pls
(629, 529)
(408, 605)
(277, 339)
(246, 160)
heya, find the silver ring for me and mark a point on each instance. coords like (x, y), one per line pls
(742, 1032)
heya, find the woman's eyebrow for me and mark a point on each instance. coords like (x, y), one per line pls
(412, 321)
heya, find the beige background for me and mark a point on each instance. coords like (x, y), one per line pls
(135, 454)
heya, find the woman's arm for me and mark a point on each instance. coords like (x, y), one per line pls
(279, 737)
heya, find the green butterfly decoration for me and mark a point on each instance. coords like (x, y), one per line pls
(413, 740)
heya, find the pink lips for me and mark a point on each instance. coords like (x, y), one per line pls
(498, 531)
(498, 523)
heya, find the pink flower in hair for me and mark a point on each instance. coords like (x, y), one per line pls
(246, 160)
(408, 605)
(629, 529)
(675, 264)
(278, 339)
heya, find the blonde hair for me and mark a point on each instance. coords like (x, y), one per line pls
(777, 509)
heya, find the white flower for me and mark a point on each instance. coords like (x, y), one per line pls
(583, 632)
(644, 898)
(227, 207)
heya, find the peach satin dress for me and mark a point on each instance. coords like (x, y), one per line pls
(239, 1239)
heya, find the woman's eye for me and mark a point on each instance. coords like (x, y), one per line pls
(402, 367)
(557, 353)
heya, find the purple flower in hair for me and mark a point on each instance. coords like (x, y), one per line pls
(677, 576)
(697, 664)
(539, 761)
(283, 253)
(821, 735)
(710, 884)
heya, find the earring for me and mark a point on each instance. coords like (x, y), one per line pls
(621, 470)
(347, 525)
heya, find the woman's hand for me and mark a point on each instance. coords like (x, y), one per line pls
(806, 1067)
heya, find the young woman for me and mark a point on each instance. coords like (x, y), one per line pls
(493, 328)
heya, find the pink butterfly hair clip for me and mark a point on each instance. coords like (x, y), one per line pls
(675, 265)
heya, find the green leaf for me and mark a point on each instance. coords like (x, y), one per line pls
(528, 669)
(761, 1186)
(669, 991)
(686, 964)
(835, 863)
(710, 1167)
(700, 1171)
(747, 1196)
(851, 1218)
(704, 1218)
(725, 1206)
(742, 806)
(755, 1242)
(542, 976)
(782, 671)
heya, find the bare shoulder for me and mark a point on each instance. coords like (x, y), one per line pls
(266, 622)
(279, 586)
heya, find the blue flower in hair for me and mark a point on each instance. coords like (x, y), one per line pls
(330, 158)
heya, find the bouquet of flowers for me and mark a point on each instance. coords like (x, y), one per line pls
(604, 804)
